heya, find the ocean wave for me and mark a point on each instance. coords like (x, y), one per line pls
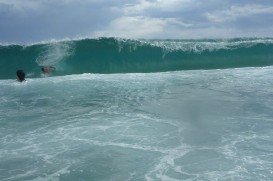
(116, 55)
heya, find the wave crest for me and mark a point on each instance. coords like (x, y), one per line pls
(115, 55)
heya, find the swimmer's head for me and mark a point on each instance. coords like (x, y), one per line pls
(20, 75)
(48, 69)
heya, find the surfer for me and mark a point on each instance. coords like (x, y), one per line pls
(48, 69)
(20, 74)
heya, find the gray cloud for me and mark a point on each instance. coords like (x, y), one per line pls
(25, 21)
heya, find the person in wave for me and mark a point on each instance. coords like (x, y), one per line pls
(20, 74)
(47, 69)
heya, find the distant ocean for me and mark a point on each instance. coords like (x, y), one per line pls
(122, 109)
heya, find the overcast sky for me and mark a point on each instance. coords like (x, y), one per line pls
(27, 21)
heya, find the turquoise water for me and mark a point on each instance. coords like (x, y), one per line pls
(211, 124)
(109, 55)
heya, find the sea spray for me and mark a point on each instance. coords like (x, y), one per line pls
(54, 53)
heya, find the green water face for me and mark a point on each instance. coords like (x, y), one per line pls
(109, 55)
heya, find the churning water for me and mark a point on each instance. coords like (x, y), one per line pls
(214, 124)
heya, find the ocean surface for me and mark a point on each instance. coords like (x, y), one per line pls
(133, 110)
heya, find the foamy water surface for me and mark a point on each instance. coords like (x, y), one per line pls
(185, 125)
